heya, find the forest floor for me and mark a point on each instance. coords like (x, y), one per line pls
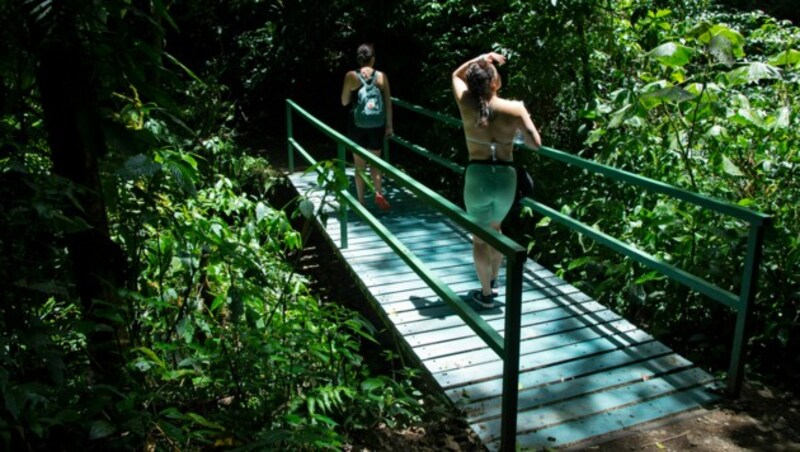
(764, 417)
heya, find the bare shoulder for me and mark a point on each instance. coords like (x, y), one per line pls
(351, 79)
(510, 107)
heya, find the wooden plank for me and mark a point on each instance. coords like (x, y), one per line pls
(538, 376)
(649, 401)
(553, 392)
(585, 353)
(552, 286)
(437, 316)
(433, 242)
(532, 324)
(536, 345)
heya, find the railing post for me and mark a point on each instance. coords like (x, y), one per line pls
(342, 205)
(508, 426)
(743, 314)
(289, 135)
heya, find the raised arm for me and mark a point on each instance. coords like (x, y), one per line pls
(460, 75)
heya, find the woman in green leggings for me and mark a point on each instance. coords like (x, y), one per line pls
(490, 124)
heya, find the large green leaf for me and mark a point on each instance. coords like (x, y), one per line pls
(752, 72)
(788, 57)
(707, 34)
(674, 94)
(672, 54)
(721, 48)
(730, 168)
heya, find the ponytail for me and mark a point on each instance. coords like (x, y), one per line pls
(483, 113)
(479, 76)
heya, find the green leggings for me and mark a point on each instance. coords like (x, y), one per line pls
(489, 191)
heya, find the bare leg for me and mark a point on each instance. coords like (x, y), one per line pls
(375, 173)
(360, 165)
(482, 254)
(497, 257)
(376, 181)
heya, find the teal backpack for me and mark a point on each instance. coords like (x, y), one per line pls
(368, 112)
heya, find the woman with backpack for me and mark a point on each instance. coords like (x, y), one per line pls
(371, 116)
(490, 126)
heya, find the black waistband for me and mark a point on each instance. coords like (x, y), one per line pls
(491, 162)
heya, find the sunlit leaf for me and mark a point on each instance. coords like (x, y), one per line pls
(781, 119)
(261, 211)
(721, 49)
(543, 223)
(580, 262)
(717, 131)
(730, 168)
(618, 116)
(674, 94)
(788, 57)
(672, 54)
(650, 276)
(752, 72)
(747, 117)
(706, 33)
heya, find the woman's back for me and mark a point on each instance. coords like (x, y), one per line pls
(504, 122)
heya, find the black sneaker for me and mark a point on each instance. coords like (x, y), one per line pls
(486, 301)
(493, 286)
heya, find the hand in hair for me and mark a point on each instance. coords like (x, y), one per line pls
(494, 57)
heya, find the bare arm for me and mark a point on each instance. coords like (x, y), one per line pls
(532, 138)
(387, 101)
(460, 74)
(350, 83)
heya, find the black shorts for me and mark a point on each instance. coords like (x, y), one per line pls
(371, 139)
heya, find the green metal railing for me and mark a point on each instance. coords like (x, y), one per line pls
(757, 222)
(507, 347)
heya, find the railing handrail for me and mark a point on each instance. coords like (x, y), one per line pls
(757, 222)
(449, 120)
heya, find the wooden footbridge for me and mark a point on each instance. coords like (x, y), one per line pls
(549, 367)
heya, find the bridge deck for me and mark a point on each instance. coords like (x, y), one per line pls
(585, 372)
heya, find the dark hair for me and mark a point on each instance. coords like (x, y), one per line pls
(364, 54)
(479, 78)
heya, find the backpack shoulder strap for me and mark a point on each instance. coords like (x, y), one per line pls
(367, 81)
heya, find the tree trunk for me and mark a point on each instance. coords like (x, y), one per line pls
(76, 142)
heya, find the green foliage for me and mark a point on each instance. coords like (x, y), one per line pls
(711, 107)
(224, 342)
